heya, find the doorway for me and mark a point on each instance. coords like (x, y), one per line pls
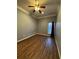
(51, 29)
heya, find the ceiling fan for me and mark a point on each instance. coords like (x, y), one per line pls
(37, 7)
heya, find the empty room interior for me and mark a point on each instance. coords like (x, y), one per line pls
(38, 29)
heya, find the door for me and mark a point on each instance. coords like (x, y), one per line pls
(52, 30)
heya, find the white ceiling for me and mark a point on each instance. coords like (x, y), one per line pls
(51, 7)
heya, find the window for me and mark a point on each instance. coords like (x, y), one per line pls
(49, 28)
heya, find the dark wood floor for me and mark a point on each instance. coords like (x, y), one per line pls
(37, 47)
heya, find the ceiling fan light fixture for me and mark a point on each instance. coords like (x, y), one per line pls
(42, 12)
(37, 8)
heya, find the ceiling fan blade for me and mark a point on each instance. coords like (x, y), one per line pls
(33, 11)
(31, 6)
(42, 6)
(40, 11)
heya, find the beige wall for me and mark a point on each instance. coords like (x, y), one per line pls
(58, 31)
(26, 25)
(43, 25)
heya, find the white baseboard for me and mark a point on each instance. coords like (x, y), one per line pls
(31, 36)
(58, 49)
(26, 37)
(43, 34)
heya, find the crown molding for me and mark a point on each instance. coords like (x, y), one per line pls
(26, 12)
(47, 16)
(23, 10)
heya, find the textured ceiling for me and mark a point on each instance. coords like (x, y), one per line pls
(51, 7)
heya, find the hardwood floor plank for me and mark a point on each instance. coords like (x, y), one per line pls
(37, 47)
